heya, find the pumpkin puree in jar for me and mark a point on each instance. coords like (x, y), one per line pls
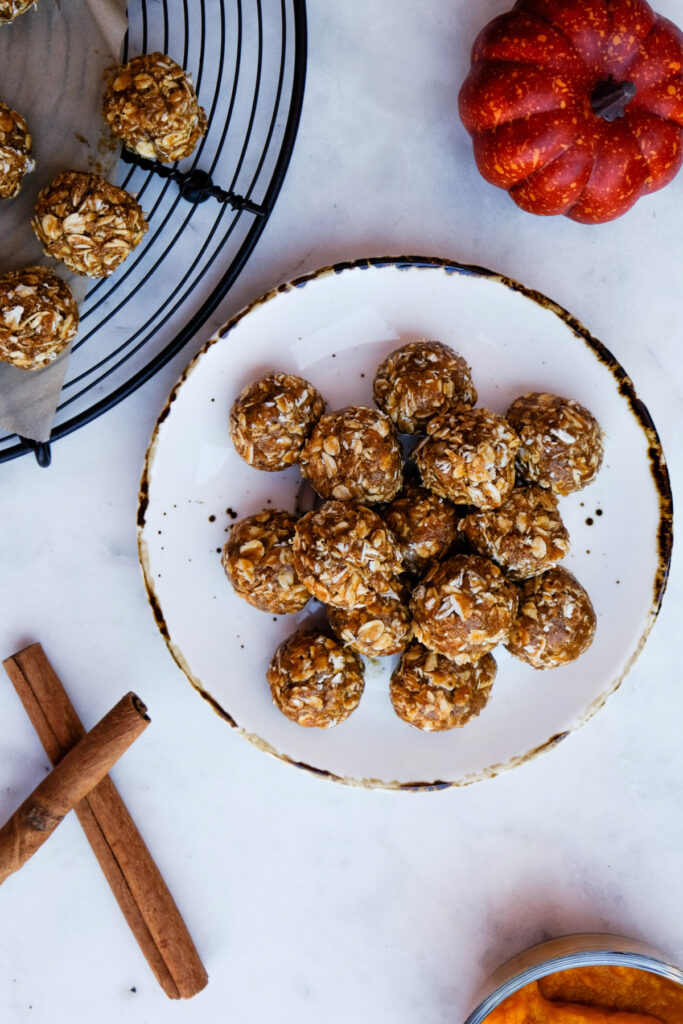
(604, 994)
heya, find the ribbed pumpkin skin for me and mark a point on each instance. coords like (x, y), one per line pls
(526, 102)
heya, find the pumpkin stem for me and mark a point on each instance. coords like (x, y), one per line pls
(609, 98)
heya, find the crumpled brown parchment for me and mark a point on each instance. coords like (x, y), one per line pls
(54, 61)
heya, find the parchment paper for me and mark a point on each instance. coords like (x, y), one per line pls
(54, 61)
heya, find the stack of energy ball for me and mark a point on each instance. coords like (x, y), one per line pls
(440, 557)
(81, 219)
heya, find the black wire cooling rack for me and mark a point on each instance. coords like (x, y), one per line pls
(247, 59)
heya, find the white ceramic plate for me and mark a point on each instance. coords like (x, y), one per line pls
(334, 327)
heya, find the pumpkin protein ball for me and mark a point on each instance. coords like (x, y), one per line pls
(38, 317)
(11, 9)
(315, 681)
(15, 152)
(271, 419)
(353, 454)
(380, 628)
(424, 525)
(345, 555)
(525, 535)
(561, 443)
(433, 693)
(258, 561)
(86, 222)
(556, 621)
(150, 105)
(415, 382)
(468, 456)
(463, 608)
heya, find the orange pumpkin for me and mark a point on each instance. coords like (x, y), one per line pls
(575, 107)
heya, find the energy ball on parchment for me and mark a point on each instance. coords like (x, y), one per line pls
(468, 456)
(432, 693)
(258, 561)
(314, 680)
(271, 419)
(556, 620)
(15, 151)
(353, 454)
(345, 554)
(561, 442)
(87, 223)
(38, 317)
(151, 106)
(416, 381)
(379, 628)
(424, 525)
(525, 535)
(463, 608)
(11, 9)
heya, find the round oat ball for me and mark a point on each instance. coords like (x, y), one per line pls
(87, 223)
(271, 419)
(314, 680)
(463, 608)
(258, 561)
(353, 454)
(432, 693)
(561, 442)
(525, 535)
(345, 554)
(379, 628)
(151, 106)
(38, 317)
(556, 621)
(424, 525)
(468, 456)
(415, 382)
(11, 9)
(15, 151)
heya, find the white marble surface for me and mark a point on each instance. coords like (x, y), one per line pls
(310, 901)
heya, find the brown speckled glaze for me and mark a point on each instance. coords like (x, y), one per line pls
(625, 387)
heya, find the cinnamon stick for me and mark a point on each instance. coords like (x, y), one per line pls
(69, 782)
(124, 858)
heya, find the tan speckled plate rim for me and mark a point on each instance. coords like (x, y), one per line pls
(624, 386)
